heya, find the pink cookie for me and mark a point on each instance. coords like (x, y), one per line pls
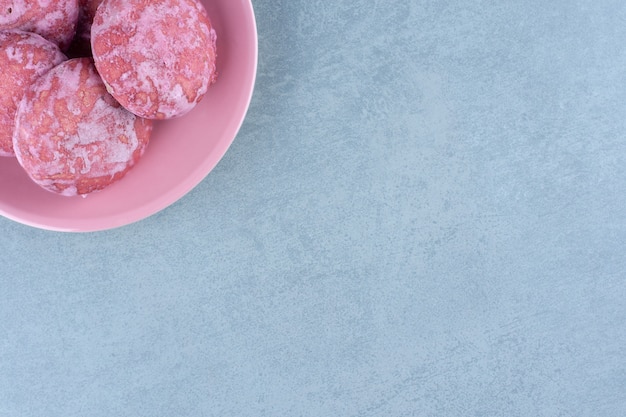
(71, 136)
(156, 57)
(55, 20)
(24, 57)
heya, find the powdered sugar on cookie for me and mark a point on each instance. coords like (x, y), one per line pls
(55, 20)
(71, 136)
(157, 58)
(24, 57)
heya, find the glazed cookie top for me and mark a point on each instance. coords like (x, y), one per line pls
(24, 57)
(55, 20)
(71, 136)
(156, 57)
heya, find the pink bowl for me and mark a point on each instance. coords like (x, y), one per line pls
(180, 154)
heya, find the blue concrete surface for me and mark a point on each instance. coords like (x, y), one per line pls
(424, 214)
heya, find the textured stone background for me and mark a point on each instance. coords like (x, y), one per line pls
(423, 215)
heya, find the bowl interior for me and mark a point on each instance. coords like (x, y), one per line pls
(181, 152)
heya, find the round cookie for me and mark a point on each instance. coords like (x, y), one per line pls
(55, 20)
(24, 57)
(156, 57)
(71, 136)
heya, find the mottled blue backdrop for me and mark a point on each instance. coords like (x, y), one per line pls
(424, 214)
